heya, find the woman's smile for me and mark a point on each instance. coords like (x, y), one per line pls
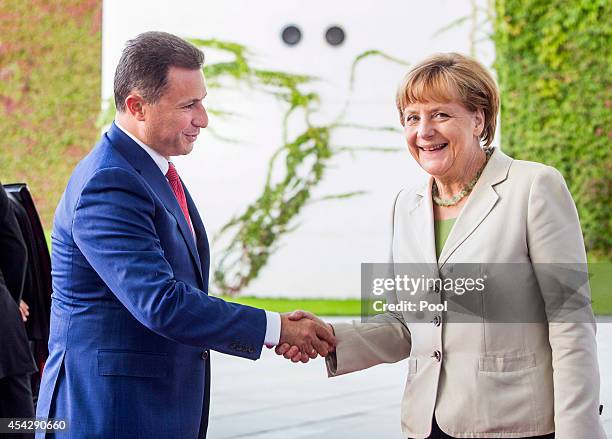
(433, 148)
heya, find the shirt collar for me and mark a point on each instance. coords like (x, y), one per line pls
(160, 160)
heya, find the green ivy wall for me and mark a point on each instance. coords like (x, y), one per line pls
(49, 92)
(554, 65)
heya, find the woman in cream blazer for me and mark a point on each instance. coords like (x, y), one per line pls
(532, 373)
(493, 380)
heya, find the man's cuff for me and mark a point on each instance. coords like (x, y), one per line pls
(273, 329)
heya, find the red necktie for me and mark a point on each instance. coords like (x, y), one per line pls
(179, 192)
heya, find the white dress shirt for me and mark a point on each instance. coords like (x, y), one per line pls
(273, 320)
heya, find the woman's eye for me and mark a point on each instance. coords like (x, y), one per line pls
(410, 118)
(441, 115)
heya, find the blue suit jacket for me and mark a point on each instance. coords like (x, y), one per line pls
(131, 321)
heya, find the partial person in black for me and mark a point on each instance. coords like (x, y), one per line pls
(16, 361)
(36, 296)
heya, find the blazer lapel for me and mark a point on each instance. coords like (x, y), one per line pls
(144, 164)
(422, 215)
(481, 201)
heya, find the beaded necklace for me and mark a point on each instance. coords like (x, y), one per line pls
(465, 191)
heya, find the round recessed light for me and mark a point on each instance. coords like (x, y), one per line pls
(335, 35)
(291, 35)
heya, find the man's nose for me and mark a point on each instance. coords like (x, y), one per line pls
(201, 118)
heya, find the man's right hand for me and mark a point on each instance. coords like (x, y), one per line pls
(312, 337)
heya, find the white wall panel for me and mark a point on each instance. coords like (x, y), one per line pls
(322, 257)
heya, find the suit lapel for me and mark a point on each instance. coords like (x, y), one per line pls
(144, 164)
(423, 214)
(201, 238)
(481, 201)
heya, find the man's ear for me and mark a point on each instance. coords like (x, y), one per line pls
(135, 105)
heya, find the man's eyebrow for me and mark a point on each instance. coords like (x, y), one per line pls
(191, 101)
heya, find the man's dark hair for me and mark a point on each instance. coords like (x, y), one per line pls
(144, 65)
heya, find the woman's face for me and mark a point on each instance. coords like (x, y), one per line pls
(442, 137)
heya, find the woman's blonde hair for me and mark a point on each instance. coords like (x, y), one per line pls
(446, 77)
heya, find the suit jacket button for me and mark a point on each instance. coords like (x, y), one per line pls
(437, 355)
(204, 355)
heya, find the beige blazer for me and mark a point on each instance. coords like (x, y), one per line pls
(488, 379)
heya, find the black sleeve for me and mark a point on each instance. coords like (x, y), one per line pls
(13, 251)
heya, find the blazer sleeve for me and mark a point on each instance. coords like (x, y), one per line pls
(361, 345)
(13, 251)
(113, 227)
(556, 247)
(384, 338)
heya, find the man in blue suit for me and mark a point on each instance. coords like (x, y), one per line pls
(131, 321)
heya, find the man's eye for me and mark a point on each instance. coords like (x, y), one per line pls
(189, 106)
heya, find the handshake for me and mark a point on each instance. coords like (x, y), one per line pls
(304, 336)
